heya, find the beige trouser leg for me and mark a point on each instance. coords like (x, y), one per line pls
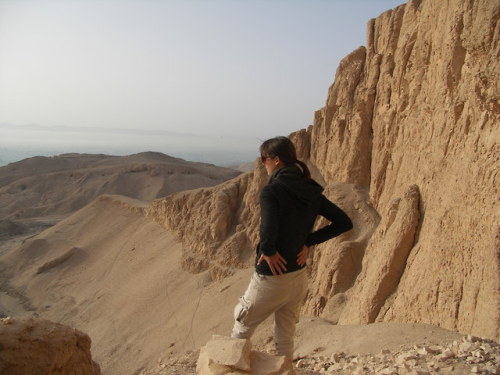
(265, 295)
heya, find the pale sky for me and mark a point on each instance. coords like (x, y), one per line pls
(221, 67)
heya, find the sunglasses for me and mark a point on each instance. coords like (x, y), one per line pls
(264, 158)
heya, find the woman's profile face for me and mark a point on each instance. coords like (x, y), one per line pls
(271, 163)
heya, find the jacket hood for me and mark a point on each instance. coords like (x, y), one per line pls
(290, 178)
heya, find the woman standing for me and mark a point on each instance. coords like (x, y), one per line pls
(289, 205)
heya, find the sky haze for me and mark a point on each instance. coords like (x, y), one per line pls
(251, 69)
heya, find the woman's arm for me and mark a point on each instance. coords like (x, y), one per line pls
(339, 223)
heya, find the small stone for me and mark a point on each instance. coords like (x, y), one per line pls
(412, 362)
(405, 357)
(447, 370)
(474, 369)
(301, 363)
(466, 346)
(335, 367)
(488, 349)
(472, 338)
(433, 349)
(422, 351)
(447, 354)
(336, 357)
(406, 367)
(493, 369)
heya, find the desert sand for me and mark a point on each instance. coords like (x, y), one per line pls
(115, 274)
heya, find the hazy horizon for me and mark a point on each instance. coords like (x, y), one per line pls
(213, 77)
(21, 142)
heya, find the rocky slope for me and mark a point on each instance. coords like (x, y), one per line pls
(407, 144)
(471, 355)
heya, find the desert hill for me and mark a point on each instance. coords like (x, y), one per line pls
(41, 187)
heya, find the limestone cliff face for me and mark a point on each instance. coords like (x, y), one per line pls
(428, 83)
(408, 145)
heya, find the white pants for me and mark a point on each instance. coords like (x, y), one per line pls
(282, 295)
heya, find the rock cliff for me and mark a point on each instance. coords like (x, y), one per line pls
(36, 346)
(408, 145)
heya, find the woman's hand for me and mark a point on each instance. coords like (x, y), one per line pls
(276, 263)
(302, 256)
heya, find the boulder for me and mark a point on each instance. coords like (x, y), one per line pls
(35, 346)
(229, 356)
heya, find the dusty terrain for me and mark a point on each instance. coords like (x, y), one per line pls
(114, 274)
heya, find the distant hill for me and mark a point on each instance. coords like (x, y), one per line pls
(59, 185)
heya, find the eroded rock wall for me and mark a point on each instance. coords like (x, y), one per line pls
(216, 225)
(421, 104)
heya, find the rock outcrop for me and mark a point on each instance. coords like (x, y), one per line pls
(34, 346)
(408, 145)
(224, 355)
(209, 222)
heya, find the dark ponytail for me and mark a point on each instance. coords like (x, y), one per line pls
(283, 148)
(305, 170)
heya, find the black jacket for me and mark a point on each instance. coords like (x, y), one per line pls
(289, 206)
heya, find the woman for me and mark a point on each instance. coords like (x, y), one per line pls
(289, 204)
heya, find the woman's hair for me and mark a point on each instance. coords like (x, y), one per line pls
(283, 148)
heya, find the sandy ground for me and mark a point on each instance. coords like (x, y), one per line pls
(114, 274)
